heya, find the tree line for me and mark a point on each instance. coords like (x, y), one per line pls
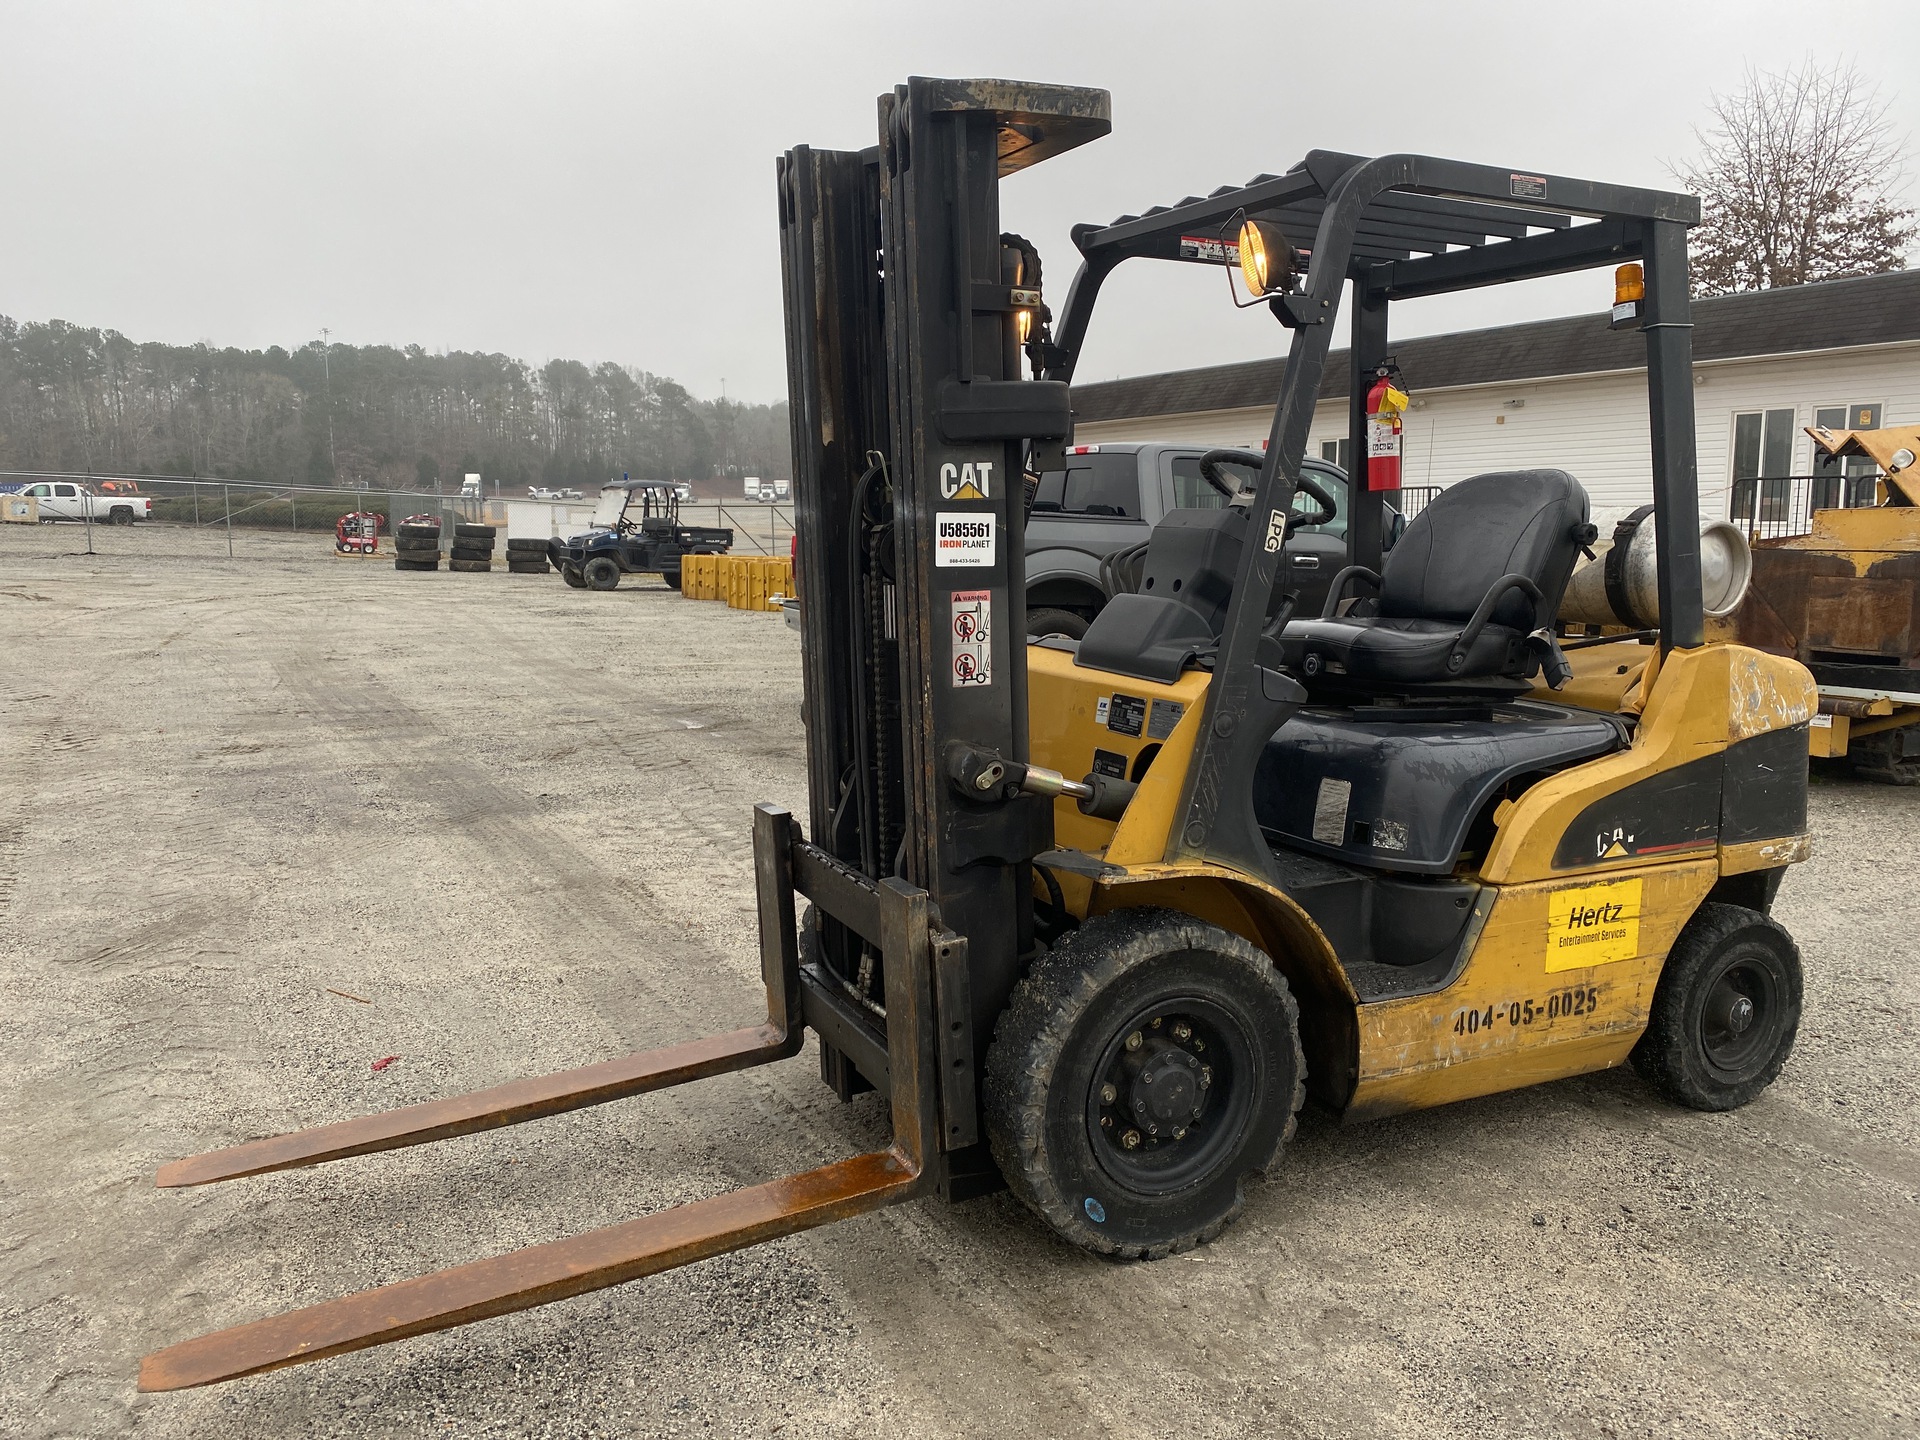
(92, 401)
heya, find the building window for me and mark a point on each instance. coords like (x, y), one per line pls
(1848, 483)
(1335, 452)
(1762, 461)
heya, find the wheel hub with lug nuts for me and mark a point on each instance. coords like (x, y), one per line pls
(1155, 1089)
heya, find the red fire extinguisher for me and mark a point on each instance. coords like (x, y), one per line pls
(1386, 403)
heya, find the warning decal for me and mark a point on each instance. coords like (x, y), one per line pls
(1593, 925)
(1210, 248)
(972, 637)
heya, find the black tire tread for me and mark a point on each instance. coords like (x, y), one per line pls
(469, 531)
(1031, 1034)
(536, 545)
(470, 567)
(1660, 1055)
(1050, 620)
(1878, 757)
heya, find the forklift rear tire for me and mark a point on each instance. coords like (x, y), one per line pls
(1725, 1011)
(1045, 622)
(1131, 1001)
(573, 577)
(601, 573)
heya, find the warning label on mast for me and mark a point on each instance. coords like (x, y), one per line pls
(972, 637)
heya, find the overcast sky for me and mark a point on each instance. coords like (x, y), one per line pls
(595, 181)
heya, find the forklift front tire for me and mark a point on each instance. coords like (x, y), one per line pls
(1142, 1071)
(601, 573)
(1725, 1011)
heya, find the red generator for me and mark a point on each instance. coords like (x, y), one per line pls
(358, 532)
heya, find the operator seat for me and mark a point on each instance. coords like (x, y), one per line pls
(1463, 596)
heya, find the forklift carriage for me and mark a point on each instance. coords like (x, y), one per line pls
(1407, 851)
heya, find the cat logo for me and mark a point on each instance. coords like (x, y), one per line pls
(1612, 846)
(971, 481)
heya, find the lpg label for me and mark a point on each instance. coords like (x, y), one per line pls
(1593, 925)
(962, 538)
(972, 638)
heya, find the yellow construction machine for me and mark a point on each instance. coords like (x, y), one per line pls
(1096, 916)
(1844, 599)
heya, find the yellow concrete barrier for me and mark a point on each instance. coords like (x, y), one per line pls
(700, 576)
(745, 582)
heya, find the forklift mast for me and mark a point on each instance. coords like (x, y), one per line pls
(904, 306)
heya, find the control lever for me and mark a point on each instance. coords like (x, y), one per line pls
(1554, 666)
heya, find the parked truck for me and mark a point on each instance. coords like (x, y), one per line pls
(1107, 498)
(70, 500)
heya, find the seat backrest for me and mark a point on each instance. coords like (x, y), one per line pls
(1514, 522)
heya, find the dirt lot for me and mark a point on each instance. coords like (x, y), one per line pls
(514, 818)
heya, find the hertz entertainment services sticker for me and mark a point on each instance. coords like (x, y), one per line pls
(1593, 925)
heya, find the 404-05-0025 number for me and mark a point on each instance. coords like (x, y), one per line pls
(1580, 1000)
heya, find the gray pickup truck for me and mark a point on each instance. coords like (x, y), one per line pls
(1109, 497)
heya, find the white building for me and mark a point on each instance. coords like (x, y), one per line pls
(1571, 394)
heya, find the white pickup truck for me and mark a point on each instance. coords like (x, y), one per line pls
(66, 500)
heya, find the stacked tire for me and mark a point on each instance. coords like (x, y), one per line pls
(528, 557)
(472, 548)
(417, 547)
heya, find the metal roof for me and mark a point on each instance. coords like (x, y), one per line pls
(1834, 314)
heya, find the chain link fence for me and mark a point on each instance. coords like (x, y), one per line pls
(217, 520)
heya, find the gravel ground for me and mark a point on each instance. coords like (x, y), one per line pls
(514, 818)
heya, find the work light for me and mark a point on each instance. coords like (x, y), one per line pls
(1629, 289)
(1268, 260)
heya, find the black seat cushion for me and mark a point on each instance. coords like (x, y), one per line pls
(1398, 787)
(1517, 522)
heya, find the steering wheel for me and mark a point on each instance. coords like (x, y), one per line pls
(1211, 462)
(1318, 494)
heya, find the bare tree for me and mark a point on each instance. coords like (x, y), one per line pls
(1799, 176)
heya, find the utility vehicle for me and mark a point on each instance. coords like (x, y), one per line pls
(636, 531)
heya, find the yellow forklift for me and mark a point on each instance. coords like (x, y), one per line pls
(1844, 599)
(1096, 916)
